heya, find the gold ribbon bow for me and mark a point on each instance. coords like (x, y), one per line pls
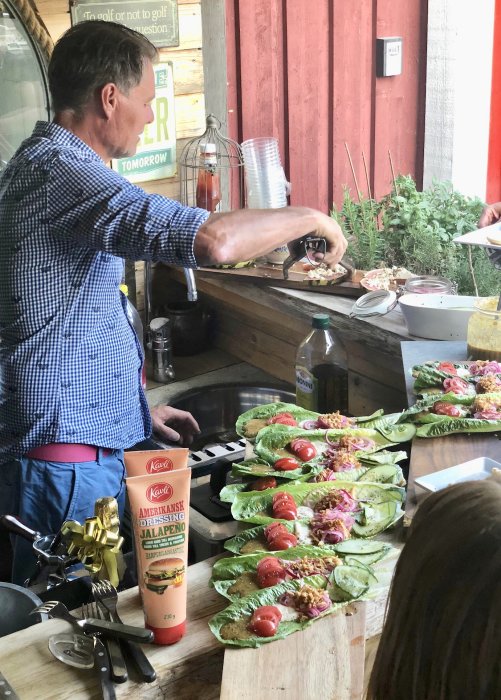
(97, 543)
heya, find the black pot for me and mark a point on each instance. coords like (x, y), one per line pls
(191, 327)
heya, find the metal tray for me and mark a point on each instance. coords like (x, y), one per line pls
(479, 237)
(473, 470)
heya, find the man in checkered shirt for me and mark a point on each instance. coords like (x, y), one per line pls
(70, 362)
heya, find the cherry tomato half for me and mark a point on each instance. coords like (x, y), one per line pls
(264, 628)
(283, 419)
(447, 367)
(289, 502)
(274, 528)
(304, 449)
(272, 578)
(283, 541)
(268, 564)
(286, 464)
(267, 612)
(263, 483)
(281, 496)
(285, 514)
(442, 408)
(284, 505)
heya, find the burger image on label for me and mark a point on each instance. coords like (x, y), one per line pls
(163, 573)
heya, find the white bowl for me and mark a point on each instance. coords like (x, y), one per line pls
(437, 316)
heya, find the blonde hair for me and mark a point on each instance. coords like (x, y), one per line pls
(442, 635)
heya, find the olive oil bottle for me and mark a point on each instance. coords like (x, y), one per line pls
(321, 370)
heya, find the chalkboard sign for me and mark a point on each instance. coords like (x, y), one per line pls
(156, 19)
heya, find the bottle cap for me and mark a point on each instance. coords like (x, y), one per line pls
(320, 321)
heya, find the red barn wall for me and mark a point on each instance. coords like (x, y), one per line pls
(304, 72)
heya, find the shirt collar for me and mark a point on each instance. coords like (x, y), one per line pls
(58, 134)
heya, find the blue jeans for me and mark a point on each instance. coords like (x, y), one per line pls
(45, 494)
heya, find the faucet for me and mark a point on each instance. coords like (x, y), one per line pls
(161, 350)
(190, 284)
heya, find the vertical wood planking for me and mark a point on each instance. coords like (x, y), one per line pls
(262, 70)
(304, 72)
(352, 95)
(398, 110)
(308, 101)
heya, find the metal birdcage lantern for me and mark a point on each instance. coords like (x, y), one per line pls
(226, 165)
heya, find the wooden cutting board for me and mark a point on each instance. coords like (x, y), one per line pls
(325, 661)
(272, 276)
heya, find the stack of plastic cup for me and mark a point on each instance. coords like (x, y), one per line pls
(265, 181)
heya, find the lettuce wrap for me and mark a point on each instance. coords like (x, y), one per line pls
(346, 583)
(235, 577)
(272, 442)
(429, 377)
(252, 421)
(432, 424)
(377, 507)
(309, 471)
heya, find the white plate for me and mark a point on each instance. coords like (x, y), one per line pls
(474, 470)
(479, 237)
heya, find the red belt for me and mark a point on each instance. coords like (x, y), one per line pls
(67, 452)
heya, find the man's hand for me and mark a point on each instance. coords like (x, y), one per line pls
(174, 425)
(329, 229)
(490, 215)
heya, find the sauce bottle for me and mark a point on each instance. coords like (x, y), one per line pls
(321, 370)
(208, 195)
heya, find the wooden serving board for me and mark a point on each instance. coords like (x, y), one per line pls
(324, 661)
(272, 275)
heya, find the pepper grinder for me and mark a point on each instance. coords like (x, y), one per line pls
(160, 347)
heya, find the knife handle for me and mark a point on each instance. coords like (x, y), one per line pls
(102, 667)
(113, 629)
(140, 661)
(118, 669)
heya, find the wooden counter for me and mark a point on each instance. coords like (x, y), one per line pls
(263, 325)
(192, 668)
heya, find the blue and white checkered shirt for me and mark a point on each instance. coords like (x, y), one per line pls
(70, 362)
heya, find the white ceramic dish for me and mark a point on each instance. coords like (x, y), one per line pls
(479, 237)
(474, 470)
(437, 316)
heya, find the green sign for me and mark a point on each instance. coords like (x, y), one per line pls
(156, 153)
(156, 19)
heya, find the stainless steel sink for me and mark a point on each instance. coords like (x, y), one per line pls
(216, 408)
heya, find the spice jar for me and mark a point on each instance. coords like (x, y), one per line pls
(484, 331)
(429, 284)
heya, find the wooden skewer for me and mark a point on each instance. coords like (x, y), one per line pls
(353, 172)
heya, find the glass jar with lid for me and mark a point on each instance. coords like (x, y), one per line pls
(429, 284)
(484, 331)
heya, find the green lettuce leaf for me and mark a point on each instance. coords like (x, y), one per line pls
(267, 411)
(435, 425)
(274, 438)
(255, 506)
(457, 425)
(355, 582)
(243, 609)
(226, 571)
